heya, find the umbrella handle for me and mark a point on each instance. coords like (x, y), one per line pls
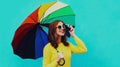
(62, 63)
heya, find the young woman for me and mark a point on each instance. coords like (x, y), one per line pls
(58, 51)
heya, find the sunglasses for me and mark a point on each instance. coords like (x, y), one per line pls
(60, 27)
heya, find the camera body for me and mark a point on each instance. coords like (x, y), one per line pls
(67, 29)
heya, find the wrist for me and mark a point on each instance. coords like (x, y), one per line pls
(73, 35)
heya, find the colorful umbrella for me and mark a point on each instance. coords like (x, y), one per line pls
(30, 38)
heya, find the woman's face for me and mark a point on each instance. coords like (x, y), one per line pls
(60, 29)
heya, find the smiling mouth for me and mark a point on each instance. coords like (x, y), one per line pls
(62, 31)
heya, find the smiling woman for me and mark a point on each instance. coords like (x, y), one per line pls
(97, 23)
(58, 51)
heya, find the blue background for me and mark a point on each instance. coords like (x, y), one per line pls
(97, 24)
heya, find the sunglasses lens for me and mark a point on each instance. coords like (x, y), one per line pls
(59, 27)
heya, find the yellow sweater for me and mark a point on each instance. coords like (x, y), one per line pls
(50, 54)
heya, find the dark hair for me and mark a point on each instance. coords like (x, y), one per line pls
(51, 37)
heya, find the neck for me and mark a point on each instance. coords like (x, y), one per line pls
(58, 38)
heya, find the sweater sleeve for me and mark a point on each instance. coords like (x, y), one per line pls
(46, 58)
(80, 48)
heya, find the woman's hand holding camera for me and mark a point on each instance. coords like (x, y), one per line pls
(71, 30)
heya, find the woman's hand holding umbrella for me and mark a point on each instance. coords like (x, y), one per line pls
(60, 56)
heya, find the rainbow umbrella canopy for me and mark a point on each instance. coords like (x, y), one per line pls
(30, 37)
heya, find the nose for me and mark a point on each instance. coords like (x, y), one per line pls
(63, 29)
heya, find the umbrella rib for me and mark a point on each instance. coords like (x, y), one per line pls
(45, 12)
(54, 8)
(32, 17)
(59, 16)
(60, 9)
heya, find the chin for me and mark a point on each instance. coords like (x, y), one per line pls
(61, 34)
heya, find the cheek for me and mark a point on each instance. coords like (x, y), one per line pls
(57, 31)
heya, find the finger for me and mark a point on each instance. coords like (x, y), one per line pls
(62, 56)
(71, 29)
